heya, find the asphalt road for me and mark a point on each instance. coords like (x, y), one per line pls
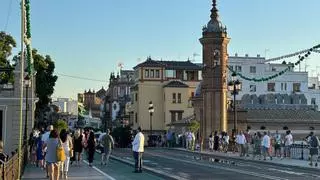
(188, 165)
(121, 171)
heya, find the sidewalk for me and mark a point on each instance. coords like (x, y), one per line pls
(275, 160)
(75, 172)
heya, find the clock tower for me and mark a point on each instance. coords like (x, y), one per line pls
(214, 86)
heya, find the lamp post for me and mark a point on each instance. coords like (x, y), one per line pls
(234, 87)
(27, 85)
(151, 110)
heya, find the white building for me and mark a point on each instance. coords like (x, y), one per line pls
(288, 83)
(67, 105)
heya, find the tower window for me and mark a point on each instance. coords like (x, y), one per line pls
(174, 100)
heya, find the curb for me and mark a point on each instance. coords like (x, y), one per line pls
(241, 159)
(148, 169)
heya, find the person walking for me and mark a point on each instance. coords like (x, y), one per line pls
(44, 139)
(216, 141)
(210, 142)
(138, 149)
(265, 146)
(39, 151)
(91, 147)
(51, 156)
(108, 144)
(67, 146)
(257, 145)
(241, 141)
(277, 144)
(314, 148)
(225, 139)
(77, 146)
(288, 141)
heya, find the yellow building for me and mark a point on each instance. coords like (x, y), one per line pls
(169, 85)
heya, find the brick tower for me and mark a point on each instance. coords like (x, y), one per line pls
(214, 86)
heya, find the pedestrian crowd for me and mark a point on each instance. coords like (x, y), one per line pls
(263, 145)
(54, 151)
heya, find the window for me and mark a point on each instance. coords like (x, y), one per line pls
(152, 73)
(253, 69)
(174, 98)
(173, 116)
(238, 68)
(271, 87)
(313, 101)
(170, 73)
(146, 73)
(179, 98)
(273, 69)
(283, 86)
(179, 116)
(296, 87)
(253, 88)
(136, 96)
(136, 117)
(157, 73)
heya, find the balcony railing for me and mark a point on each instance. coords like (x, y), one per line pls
(10, 169)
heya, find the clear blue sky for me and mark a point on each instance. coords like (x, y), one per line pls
(89, 38)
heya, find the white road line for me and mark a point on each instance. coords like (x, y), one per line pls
(225, 168)
(101, 172)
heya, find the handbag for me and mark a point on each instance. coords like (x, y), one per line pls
(61, 155)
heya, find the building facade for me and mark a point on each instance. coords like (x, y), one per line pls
(67, 105)
(10, 112)
(169, 85)
(291, 82)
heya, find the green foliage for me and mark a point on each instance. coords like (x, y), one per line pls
(6, 44)
(60, 124)
(45, 80)
(194, 126)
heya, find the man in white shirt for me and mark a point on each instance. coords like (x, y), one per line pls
(138, 149)
(241, 140)
(288, 141)
(265, 146)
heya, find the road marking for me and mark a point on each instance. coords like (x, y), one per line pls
(172, 176)
(288, 172)
(225, 168)
(101, 172)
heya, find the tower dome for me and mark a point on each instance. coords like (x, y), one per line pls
(214, 25)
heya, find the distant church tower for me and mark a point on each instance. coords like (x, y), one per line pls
(214, 86)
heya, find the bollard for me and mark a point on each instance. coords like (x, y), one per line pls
(301, 151)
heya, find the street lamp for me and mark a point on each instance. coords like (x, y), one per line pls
(234, 87)
(27, 85)
(151, 110)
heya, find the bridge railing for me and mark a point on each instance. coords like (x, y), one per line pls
(10, 168)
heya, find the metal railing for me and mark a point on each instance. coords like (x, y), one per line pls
(10, 169)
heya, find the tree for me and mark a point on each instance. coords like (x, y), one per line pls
(60, 124)
(6, 44)
(45, 80)
(194, 126)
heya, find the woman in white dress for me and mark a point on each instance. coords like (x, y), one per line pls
(67, 145)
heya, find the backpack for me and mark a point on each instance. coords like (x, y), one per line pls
(314, 142)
